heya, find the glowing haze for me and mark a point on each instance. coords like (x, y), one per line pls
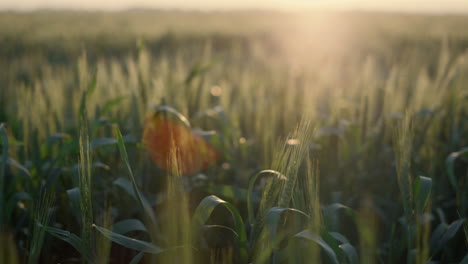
(437, 6)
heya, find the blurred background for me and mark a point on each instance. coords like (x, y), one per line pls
(437, 6)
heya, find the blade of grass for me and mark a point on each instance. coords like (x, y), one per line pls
(308, 235)
(422, 192)
(145, 207)
(204, 210)
(71, 239)
(128, 242)
(450, 164)
(450, 231)
(128, 225)
(270, 232)
(350, 252)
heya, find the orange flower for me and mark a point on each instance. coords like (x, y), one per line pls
(173, 146)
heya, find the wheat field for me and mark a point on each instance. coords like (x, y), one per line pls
(333, 137)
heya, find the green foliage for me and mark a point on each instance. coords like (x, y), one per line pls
(450, 164)
(205, 209)
(144, 206)
(317, 239)
(132, 243)
(369, 101)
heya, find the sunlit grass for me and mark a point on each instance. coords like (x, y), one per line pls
(340, 142)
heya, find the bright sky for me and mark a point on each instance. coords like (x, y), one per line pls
(442, 6)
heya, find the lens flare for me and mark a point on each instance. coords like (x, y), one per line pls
(174, 147)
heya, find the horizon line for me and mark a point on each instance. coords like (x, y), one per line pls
(232, 10)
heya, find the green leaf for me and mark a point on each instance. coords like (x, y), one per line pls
(252, 181)
(203, 212)
(339, 237)
(228, 192)
(220, 227)
(219, 236)
(74, 197)
(308, 235)
(144, 205)
(450, 165)
(448, 233)
(171, 113)
(437, 235)
(441, 215)
(20, 167)
(331, 213)
(126, 185)
(128, 225)
(100, 165)
(452, 230)
(350, 252)
(273, 218)
(13, 163)
(99, 142)
(331, 209)
(333, 243)
(71, 239)
(128, 242)
(57, 137)
(422, 192)
(272, 224)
